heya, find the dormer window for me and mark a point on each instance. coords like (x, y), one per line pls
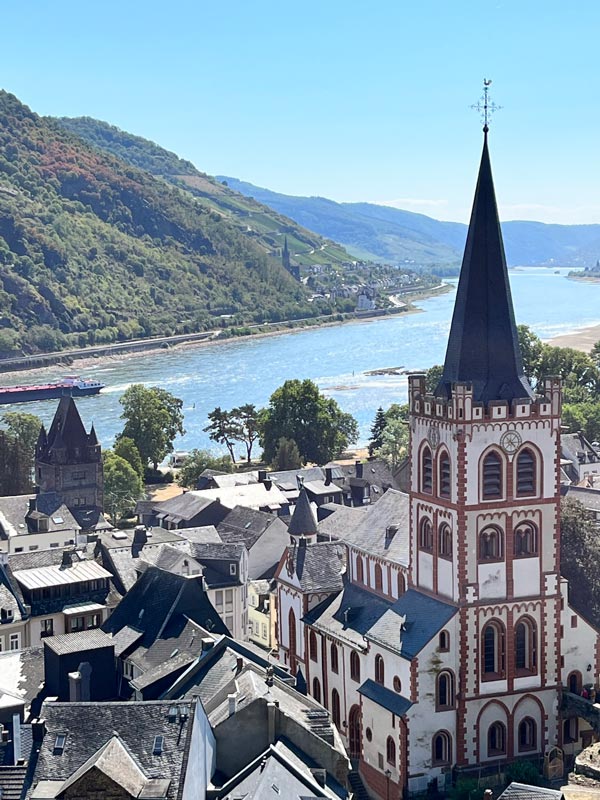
(6, 615)
(158, 745)
(59, 743)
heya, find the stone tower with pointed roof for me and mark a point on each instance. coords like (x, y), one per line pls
(303, 524)
(68, 461)
(485, 516)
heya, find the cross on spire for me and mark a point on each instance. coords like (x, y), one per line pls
(484, 106)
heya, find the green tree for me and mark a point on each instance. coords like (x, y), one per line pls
(23, 430)
(127, 449)
(298, 411)
(287, 455)
(15, 465)
(583, 417)
(394, 445)
(579, 555)
(581, 378)
(223, 428)
(196, 462)
(122, 486)
(531, 351)
(595, 355)
(248, 427)
(377, 429)
(433, 377)
(153, 418)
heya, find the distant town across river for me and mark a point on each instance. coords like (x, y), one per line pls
(337, 358)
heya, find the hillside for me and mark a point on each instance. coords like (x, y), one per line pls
(385, 233)
(264, 225)
(93, 250)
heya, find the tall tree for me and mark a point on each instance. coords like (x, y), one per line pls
(532, 348)
(22, 431)
(287, 455)
(196, 462)
(248, 427)
(122, 486)
(223, 428)
(579, 556)
(127, 449)
(153, 418)
(377, 429)
(298, 411)
(394, 444)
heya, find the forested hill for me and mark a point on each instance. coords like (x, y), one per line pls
(256, 221)
(94, 250)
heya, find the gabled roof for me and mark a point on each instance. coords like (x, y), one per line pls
(319, 567)
(412, 622)
(246, 525)
(524, 791)
(483, 346)
(183, 507)
(67, 429)
(392, 701)
(303, 522)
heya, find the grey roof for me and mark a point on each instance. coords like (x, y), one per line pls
(590, 498)
(319, 566)
(370, 531)
(124, 639)
(339, 519)
(524, 791)
(176, 664)
(245, 525)
(183, 507)
(483, 346)
(201, 533)
(385, 698)
(38, 559)
(22, 673)
(348, 615)
(303, 522)
(411, 622)
(290, 476)
(12, 780)
(320, 488)
(14, 514)
(9, 601)
(90, 726)
(93, 639)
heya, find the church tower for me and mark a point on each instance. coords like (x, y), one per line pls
(485, 509)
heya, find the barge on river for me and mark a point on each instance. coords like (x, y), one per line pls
(70, 386)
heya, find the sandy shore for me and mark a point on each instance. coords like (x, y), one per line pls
(583, 339)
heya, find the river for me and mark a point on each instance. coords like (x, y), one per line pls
(336, 358)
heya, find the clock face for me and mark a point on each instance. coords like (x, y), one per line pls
(510, 441)
(434, 436)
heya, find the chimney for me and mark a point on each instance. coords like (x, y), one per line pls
(302, 541)
(358, 466)
(262, 475)
(140, 535)
(488, 794)
(74, 687)
(271, 721)
(239, 664)
(232, 700)
(327, 476)
(67, 559)
(268, 484)
(32, 504)
(38, 729)
(207, 644)
(16, 724)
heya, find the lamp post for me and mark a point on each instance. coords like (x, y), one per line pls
(388, 775)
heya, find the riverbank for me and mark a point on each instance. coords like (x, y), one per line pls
(583, 339)
(89, 356)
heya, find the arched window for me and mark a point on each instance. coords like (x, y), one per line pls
(355, 666)
(441, 748)
(526, 473)
(492, 477)
(496, 739)
(379, 670)
(426, 471)
(317, 690)
(335, 708)
(527, 734)
(445, 541)
(378, 578)
(574, 682)
(401, 584)
(312, 646)
(444, 694)
(360, 570)
(525, 646)
(491, 545)
(526, 539)
(492, 655)
(292, 640)
(390, 751)
(334, 659)
(444, 641)
(426, 535)
(444, 466)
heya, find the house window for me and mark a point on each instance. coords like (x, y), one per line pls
(127, 669)
(445, 541)
(527, 734)
(379, 670)
(492, 477)
(77, 624)
(570, 730)
(444, 642)
(444, 474)
(334, 659)
(317, 690)
(229, 624)
(312, 646)
(14, 641)
(441, 748)
(493, 640)
(390, 751)
(525, 646)
(401, 584)
(264, 631)
(59, 744)
(397, 684)
(491, 545)
(426, 535)
(378, 578)
(229, 599)
(47, 627)
(526, 469)
(496, 739)
(426, 471)
(219, 599)
(335, 708)
(360, 570)
(232, 569)
(355, 666)
(444, 697)
(526, 540)
(574, 682)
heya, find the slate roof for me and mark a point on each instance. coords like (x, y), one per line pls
(375, 474)
(90, 726)
(320, 488)
(523, 791)
(319, 567)
(201, 533)
(411, 622)
(175, 664)
(67, 429)
(483, 346)
(14, 514)
(303, 522)
(590, 498)
(385, 698)
(78, 641)
(335, 519)
(252, 495)
(12, 780)
(22, 673)
(245, 525)
(370, 531)
(183, 507)
(348, 615)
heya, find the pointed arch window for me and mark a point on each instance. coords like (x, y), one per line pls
(492, 477)
(292, 640)
(493, 651)
(444, 467)
(444, 641)
(378, 578)
(401, 584)
(526, 473)
(527, 735)
(317, 690)
(426, 471)
(575, 682)
(491, 544)
(426, 535)
(525, 646)
(390, 751)
(312, 646)
(441, 748)
(335, 708)
(334, 659)
(444, 694)
(496, 739)
(379, 670)
(526, 540)
(445, 541)
(360, 570)
(355, 666)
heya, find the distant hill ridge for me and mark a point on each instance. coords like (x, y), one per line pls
(391, 234)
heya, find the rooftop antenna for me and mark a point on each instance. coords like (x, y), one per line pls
(485, 107)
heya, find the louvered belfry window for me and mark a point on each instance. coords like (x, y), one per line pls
(492, 477)
(525, 473)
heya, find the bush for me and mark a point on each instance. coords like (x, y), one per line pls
(465, 789)
(523, 772)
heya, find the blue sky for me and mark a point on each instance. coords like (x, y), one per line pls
(348, 100)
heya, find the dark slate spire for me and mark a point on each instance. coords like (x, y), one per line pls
(483, 346)
(303, 522)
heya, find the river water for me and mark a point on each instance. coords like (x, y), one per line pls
(336, 358)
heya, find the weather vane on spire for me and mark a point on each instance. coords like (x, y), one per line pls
(484, 107)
